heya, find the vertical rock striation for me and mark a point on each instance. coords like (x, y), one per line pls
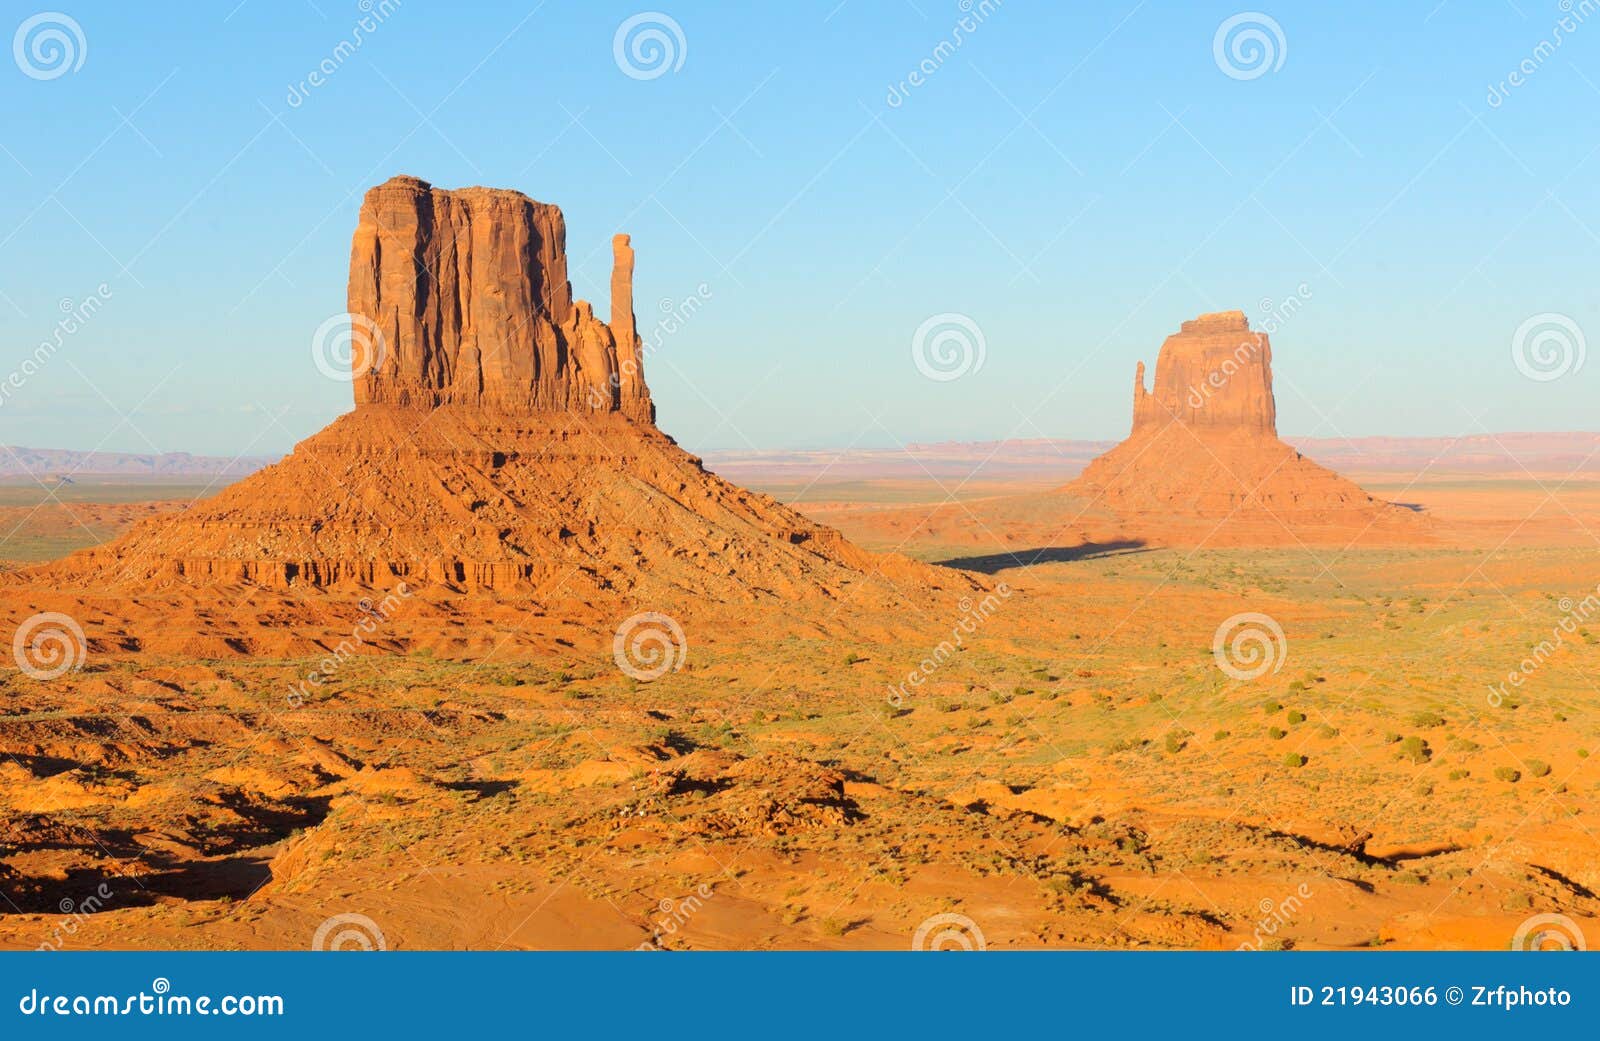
(469, 296)
(1213, 374)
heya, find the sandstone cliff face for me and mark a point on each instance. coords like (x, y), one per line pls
(1214, 374)
(469, 291)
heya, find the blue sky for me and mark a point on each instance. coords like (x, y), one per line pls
(1074, 179)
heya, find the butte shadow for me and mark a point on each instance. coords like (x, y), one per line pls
(502, 463)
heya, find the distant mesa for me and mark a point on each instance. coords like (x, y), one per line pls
(1205, 443)
(503, 441)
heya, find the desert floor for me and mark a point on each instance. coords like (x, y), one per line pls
(1072, 769)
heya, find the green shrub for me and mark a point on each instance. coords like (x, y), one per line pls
(1294, 760)
(1508, 774)
(1415, 749)
(1296, 718)
(1538, 768)
(1277, 733)
(1427, 719)
(1272, 708)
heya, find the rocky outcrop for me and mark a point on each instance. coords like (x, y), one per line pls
(1205, 444)
(1213, 374)
(537, 473)
(468, 293)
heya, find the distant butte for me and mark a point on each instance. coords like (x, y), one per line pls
(1205, 443)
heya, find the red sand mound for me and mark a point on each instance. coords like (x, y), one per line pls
(503, 443)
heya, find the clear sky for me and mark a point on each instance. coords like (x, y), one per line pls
(1075, 179)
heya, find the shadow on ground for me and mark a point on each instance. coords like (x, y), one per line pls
(994, 563)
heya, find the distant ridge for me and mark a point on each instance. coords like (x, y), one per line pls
(1502, 454)
(55, 463)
